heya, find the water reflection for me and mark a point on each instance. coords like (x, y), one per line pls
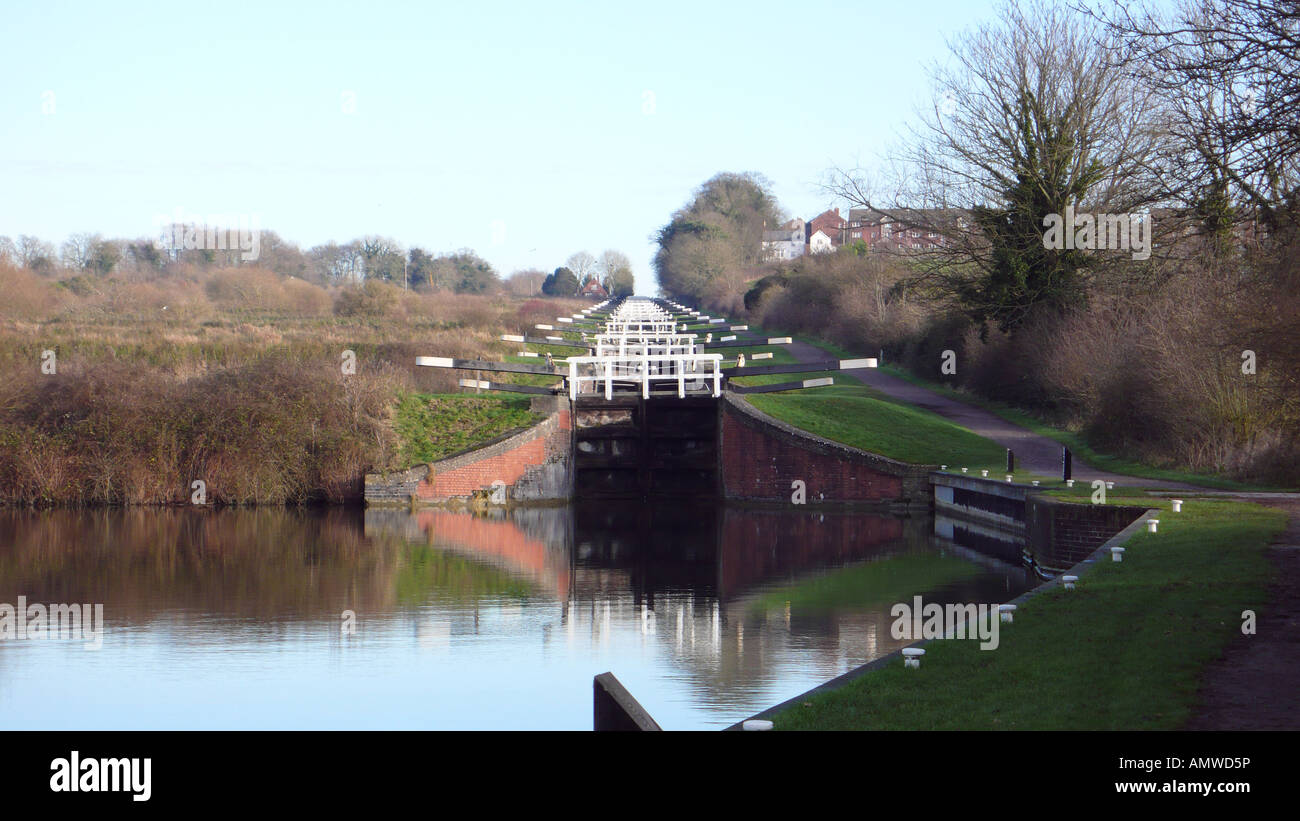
(233, 619)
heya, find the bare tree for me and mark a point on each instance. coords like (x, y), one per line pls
(583, 266)
(1230, 71)
(1032, 116)
(526, 282)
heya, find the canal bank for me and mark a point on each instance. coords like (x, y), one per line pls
(1125, 649)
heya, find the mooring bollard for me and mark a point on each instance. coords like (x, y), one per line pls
(1069, 483)
(943, 467)
(1151, 525)
(1008, 477)
(1117, 554)
(1068, 581)
(1035, 483)
(756, 724)
(912, 656)
(1178, 505)
(963, 470)
(1110, 485)
(984, 473)
(1007, 613)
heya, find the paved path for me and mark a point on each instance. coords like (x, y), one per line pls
(1034, 453)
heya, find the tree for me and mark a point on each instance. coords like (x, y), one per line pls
(615, 272)
(526, 282)
(583, 266)
(561, 282)
(77, 250)
(1033, 116)
(382, 258)
(707, 248)
(1230, 73)
(35, 254)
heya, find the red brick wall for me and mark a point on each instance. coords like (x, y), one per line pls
(759, 462)
(506, 462)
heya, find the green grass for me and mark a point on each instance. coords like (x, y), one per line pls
(1125, 650)
(864, 586)
(890, 429)
(433, 426)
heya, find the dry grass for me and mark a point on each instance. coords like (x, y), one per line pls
(233, 377)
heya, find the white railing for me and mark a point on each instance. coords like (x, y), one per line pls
(696, 369)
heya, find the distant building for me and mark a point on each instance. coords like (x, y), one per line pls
(905, 228)
(787, 242)
(820, 243)
(831, 224)
(593, 288)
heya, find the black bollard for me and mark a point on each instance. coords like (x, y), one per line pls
(1011, 461)
(1067, 464)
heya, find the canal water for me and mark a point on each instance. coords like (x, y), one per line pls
(247, 619)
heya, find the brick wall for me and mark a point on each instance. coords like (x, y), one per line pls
(534, 464)
(761, 456)
(1061, 534)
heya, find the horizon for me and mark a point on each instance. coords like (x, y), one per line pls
(323, 136)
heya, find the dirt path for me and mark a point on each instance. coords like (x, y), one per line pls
(1034, 453)
(1256, 684)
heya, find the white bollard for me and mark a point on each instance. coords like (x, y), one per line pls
(912, 656)
(1151, 525)
(1035, 483)
(943, 467)
(1178, 505)
(984, 473)
(1008, 477)
(963, 470)
(1110, 485)
(1117, 554)
(1069, 483)
(1007, 613)
(1068, 581)
(758, 724)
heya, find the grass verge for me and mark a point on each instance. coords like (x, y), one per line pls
(432, 426)
(1124, 651)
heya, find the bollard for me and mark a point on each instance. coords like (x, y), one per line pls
(1117, 554)
(1067, 464)
(1151, 525)
(1178, 505)
(1110, 485)
(1011, 461)
(963, 470)
(943, 467)
(756, 724)
(1069, 483)
(1035, 483)
(1068, 581)
(1008, 477)
(912, 657)
(1007, 612)
(984, 473)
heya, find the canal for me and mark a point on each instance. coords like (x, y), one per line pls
(246, 619)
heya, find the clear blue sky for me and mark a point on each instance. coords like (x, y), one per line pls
(532, 117)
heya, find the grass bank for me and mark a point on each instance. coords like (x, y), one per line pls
(1123, 651)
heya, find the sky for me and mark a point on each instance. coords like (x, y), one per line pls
(525, 131)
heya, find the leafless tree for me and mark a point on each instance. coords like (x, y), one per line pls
(1033, 115)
